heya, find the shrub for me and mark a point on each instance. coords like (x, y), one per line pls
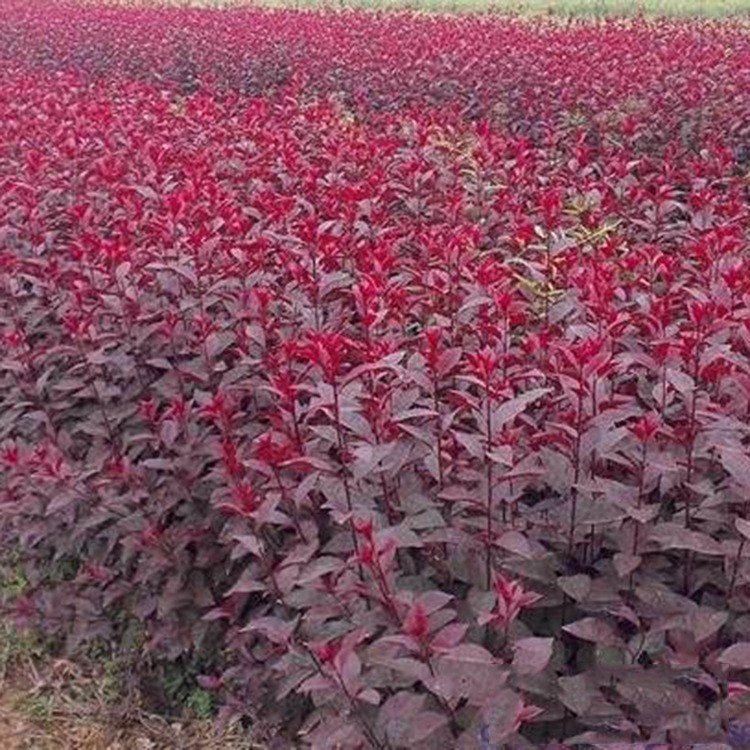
(404, 388)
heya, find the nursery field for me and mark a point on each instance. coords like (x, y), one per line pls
(520, 8)
(382, 379)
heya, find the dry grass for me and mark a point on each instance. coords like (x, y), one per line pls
(94, 703)
(60, 705)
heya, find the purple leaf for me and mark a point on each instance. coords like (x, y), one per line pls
(594, 630)
(531, 655)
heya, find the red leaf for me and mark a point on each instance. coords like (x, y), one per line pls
(509, 410)
(448, 637)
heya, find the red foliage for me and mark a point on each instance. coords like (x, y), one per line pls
(398, 363)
